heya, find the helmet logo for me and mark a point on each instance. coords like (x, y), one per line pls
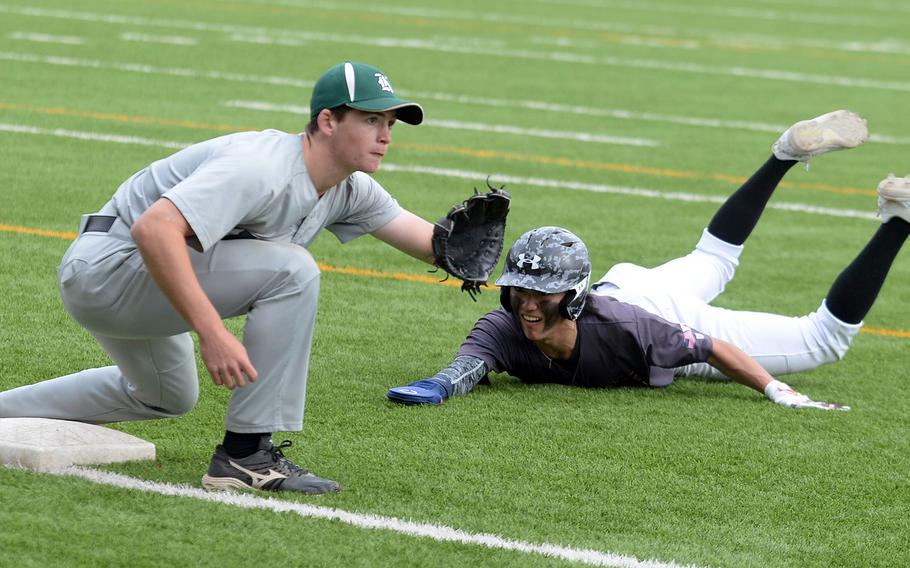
(524, 259)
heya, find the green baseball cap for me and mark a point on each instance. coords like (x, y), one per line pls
(363, 87)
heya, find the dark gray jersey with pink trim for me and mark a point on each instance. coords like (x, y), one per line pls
(618, 344)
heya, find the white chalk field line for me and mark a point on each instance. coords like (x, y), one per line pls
(474, 126)
(416, 94)
(301, 39)
(46, 38)
(815, 17)
(147, 69)
(152, 38)
(713, 40)
(493, 17)
(91, 136)
(436, 532)
(889, 7)
(681, 39)
(254, 34)
(622, 190)
(471, 175)
(428, 530)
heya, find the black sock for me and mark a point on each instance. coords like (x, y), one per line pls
(734, 221)
(853, 293)
(239, 445)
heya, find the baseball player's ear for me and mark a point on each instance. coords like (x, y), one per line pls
(325, 120)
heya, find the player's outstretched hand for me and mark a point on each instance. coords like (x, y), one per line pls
(226, 359)
(783, 394)
(423, 391)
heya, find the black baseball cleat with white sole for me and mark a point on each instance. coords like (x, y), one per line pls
(265, 470)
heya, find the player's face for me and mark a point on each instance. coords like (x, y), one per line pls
(361, 139)
(537, 312)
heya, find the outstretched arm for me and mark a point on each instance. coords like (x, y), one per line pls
(409, 234)
(466, 243)
(739, 366)
(736, 364)
(458, 378)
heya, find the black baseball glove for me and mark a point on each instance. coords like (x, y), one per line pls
(467, 242)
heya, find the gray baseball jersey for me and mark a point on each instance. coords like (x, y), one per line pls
(255, 181)
(252, 181)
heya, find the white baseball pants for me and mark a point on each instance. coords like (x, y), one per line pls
(681, 290)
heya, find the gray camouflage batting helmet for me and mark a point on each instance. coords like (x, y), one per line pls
(549, 260)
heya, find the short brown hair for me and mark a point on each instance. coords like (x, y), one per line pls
(339, 113)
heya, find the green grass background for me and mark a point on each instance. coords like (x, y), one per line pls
(703, 472)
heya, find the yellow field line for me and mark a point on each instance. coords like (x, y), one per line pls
(886, 332)
(457, 150)
(370, 273)
(402, 276)
(622, 168)
(118, 117)
(405, 277)
(41, 232)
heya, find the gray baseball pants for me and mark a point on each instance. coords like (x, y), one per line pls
(106, 288)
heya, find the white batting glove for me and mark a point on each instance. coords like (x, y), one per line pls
(783, 394)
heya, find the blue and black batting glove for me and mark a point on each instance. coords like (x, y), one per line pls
(424, 391)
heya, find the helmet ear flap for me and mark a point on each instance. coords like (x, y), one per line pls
(564, 305)
(505, 298)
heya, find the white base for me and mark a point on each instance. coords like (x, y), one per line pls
(43, 444)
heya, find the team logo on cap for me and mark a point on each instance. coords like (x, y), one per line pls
(527, 261)
(384, 83)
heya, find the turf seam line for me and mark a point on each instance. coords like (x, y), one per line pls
(436, 532)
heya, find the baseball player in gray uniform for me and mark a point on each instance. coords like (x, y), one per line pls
(645, 326)
(217, 230)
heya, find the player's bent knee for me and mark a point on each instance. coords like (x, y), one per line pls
(176, 390)
(825, 353)
(182, 404)
(833, 336)
(172, 406)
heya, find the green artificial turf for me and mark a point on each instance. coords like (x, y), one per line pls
(703, 472)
